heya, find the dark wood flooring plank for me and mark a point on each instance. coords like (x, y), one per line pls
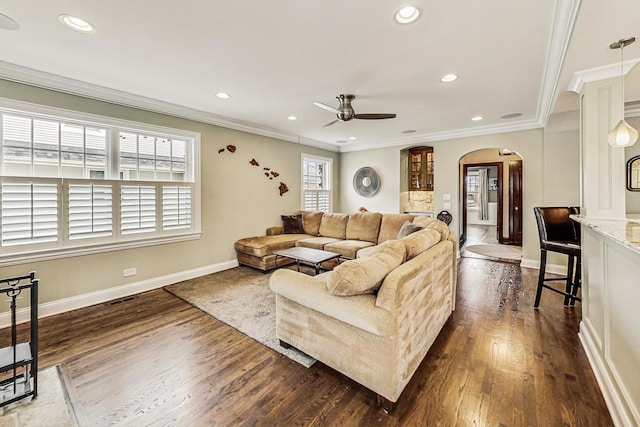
(155, 360)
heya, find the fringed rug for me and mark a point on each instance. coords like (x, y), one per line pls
(241, 298)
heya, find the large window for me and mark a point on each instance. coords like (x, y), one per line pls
(70, 180)
(316, 183)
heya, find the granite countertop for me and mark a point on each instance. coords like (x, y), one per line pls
(623, 231)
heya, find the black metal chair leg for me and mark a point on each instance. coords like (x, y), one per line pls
(577, 282)
(543, 268)
(568, 301)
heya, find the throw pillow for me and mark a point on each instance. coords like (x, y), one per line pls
(311, 222)
(419, 242)
(365, 275)
(292, 224)
(433, 223)
(408, 228)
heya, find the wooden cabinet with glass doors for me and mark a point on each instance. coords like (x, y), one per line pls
(421, 169)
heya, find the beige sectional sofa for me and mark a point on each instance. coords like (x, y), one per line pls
(375, 317)
(342, 233)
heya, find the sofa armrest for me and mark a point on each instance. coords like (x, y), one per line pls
(275, 230)
(358, 310)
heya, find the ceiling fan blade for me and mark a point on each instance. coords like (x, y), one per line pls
(330, 123)
(326, 107)
(374, 116)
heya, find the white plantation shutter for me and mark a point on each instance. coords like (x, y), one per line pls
(90, 211)
(137, 208)
(176, 207)
(317, 200)
(70, 182)
(29, 213)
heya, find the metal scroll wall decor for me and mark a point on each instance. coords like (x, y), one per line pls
(366, 181)
(268, 173)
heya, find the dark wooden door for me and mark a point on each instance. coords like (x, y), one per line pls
(515, 202)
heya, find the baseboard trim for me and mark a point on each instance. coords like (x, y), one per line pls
(615, 402)
(79, 301)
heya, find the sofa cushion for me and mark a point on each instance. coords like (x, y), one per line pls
(347, 248)
(334, 225)
(316, 242)
(364, 226)
(434, 224)
(364, 275)
(292, 224)
(420, 241)
(311, 221)
(408, 228)
(263, 245)
(390, 225)
(311, 291)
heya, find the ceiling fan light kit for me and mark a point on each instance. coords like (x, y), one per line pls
(622, 135)
(345, 111)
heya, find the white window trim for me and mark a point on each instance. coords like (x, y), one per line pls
(328, 160)
(33, 254)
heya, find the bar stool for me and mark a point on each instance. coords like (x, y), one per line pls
(559, 233)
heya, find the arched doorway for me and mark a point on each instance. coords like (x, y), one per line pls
(491, 204)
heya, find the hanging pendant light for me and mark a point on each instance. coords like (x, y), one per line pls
(623, 135)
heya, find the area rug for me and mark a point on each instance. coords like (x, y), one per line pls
(50, 408)
(241, 298)
(497, 252)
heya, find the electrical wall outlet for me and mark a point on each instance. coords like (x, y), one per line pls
(446, 205)
(129, 272)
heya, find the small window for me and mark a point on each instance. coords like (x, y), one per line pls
(316, 183)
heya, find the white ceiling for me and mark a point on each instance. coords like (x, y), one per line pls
(277, 57)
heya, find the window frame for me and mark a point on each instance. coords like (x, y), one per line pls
(329, 179)
(64, 246)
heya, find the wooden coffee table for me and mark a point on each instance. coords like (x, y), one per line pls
(311, 256)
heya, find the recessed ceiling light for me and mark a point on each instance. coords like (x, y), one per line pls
(223, 95)
(477, 118)
(511, 116)
(407, 15)
(448, 78)
(353, 138)
(292, 118)
(77, 24)
(7, 23)
(409, 131)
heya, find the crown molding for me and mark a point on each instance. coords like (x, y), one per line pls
(25, 75)
(564, 20)
(441, 136)
(580, 78)
(632, 109)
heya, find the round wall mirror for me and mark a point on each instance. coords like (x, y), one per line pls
(366, 181)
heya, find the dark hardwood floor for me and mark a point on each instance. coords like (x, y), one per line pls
(155, 360)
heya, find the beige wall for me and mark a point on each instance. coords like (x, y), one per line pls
(561, 172)
(529, 144)
(237, 201)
